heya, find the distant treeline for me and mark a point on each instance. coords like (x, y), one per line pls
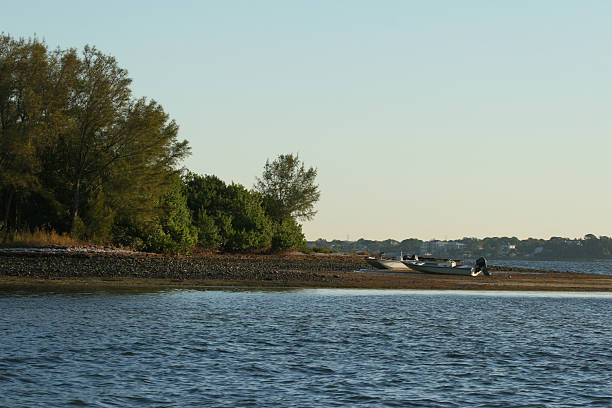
(80, 155)
(589, 247)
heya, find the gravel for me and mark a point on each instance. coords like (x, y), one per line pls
(55, 265)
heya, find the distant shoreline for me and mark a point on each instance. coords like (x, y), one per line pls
(85, 272)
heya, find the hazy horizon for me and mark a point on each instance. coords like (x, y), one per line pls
(447, 238)
(424, 119)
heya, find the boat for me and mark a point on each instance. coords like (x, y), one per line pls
(449, 267)
(391, 264)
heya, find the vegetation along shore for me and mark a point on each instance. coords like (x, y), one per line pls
(142, 271)
(81, 157)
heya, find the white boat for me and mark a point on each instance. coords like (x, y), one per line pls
(390, 264)
(449, 267)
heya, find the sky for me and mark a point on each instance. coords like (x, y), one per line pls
(424, 119)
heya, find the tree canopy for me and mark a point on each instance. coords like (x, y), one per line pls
(288, 188)
(80, 155)
(77, 152)
(227, 216)
(233, 218)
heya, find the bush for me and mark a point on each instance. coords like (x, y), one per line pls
(173, 232)
(170, 231)
(288, 235)
(227, 216)
(209, 234)
(251, 228)
(322, 250)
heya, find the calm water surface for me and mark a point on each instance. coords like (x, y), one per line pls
(603, 267)
(315, 348)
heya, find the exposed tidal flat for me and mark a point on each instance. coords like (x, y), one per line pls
(84, 271)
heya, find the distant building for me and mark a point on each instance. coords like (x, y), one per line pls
(441, 247)
(507, 249)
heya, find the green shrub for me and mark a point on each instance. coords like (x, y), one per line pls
(170, 231)
(288, 235)
(227, 216)
(322, 250)
(251, 228)
(209, 234)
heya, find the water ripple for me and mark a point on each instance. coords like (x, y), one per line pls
(305, 348)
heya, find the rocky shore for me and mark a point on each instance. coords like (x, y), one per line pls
(94, 270)
(151, 266)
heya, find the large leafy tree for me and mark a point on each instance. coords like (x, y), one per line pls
(288, 188)
(98, 103)
(77, 152)
(29, 118)
(111, 142)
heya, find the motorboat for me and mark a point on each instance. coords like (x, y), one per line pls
(391, 264)
(448, 267)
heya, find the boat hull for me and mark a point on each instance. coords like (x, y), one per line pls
(387, 264)
(464, 270)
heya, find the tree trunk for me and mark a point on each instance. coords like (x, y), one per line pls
(7, 210)
(18, 198)
(75, 204)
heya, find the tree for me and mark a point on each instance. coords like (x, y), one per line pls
(227, 216)
(592, 246)
(28, 113)
(169, 230)
(287, 234)
(175, 232)
(251, 228)
(288, 189)
(111, 142)
(205, 198)
(76, 150)
(100, 96)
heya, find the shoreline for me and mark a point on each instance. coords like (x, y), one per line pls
(88, 272)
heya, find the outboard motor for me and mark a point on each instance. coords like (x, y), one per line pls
(481, 265)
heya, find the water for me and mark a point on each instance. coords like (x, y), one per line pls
(315, 348)
(600, 267)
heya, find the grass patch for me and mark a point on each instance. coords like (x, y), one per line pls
(322, 250)
(39, 238)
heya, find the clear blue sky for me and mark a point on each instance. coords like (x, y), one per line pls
(426, 119)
